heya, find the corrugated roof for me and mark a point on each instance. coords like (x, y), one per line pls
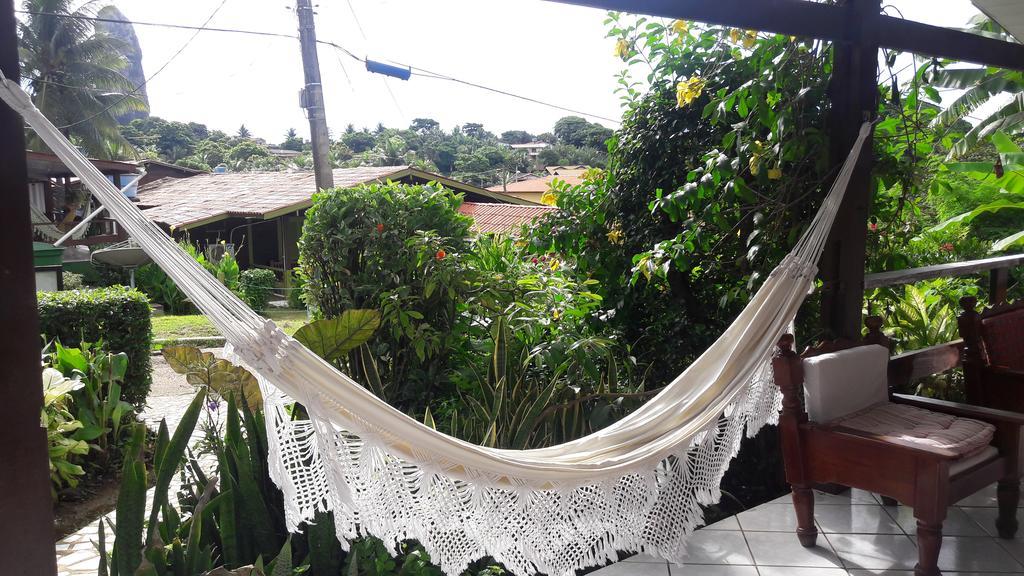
(502, 218)
(189, 202)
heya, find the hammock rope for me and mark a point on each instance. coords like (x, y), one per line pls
(637, 485)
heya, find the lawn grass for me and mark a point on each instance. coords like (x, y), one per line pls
(198, 326)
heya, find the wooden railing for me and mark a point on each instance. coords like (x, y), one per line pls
(907, 367)
(998, 269)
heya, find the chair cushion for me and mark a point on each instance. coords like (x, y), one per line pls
(844, 382)
(963, 436)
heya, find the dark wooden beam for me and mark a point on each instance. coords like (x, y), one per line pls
(813, 20)
(26, 508)
(854, 95)
(791, 17)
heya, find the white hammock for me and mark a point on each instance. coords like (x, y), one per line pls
(636, 485)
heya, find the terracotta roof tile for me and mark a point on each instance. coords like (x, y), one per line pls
(536, 184)
(502, 218)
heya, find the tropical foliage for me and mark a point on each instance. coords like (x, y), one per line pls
(468, 152)
(76, 75)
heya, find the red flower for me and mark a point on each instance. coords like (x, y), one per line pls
(534, 260)
(947, 247)
(441, 254)
(873, 226)
(380, 228)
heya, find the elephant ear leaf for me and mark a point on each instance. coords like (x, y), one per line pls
(333, 338)
(204, 369)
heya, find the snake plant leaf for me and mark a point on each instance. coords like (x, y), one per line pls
(167, 462)
(283, 564)
(203, 369)
(131, 508)
(333, 338)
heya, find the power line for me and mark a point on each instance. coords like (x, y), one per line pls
(419, 71)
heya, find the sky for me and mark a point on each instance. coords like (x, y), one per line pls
(545, 50)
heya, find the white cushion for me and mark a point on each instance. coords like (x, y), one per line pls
(844, 382)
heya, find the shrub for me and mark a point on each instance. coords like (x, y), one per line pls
(73, 281)
(257, 285)
(401, 250)
(117, 316)
(298, 286)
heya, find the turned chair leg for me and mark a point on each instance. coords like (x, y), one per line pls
(1008, 495)
(929, 542)
(803, 502)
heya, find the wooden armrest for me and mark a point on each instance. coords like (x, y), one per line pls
(911, 449)
(1005, 371)
(990, 415)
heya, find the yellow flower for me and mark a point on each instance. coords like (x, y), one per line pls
(549, 198)
(556, 314)
(775, 173)
(520, 243)
(622, 48)
(755, 164)
(735, 35)
(555, 263)
(689, 90)
(681, 27)
(749, 38)
(616, 235)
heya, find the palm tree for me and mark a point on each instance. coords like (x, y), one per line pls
(75, 76)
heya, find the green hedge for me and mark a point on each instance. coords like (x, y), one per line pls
(257, 286)
(118, 316)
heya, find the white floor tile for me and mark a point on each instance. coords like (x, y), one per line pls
(957, 523)
(729, 523)
(855, 520)
(769, 518)
(791, 571)
(634, 569)
(784, 549)
(709, 570)
(644, 559)
(975, 555)
(717, 547)
(875, 551)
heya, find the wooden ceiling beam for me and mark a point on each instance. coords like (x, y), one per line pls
(832, 23)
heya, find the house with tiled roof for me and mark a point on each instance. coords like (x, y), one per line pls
(532, 188)
(260, 214)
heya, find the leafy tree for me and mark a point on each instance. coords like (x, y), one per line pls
(243, 132)
(424, 125)
(359, 141)
(292, 141)
(547, 138)
(475, 130)
(76, 76)
(572, 130)
(516, 137)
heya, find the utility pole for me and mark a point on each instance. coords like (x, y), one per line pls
(313, 96)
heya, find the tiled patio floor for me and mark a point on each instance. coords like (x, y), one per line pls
(858, 536)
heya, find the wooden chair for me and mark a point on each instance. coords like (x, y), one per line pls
(925, 477)
(993, 356)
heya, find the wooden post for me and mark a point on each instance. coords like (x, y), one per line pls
(999, 278)
(26, 508)
(854, 95)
